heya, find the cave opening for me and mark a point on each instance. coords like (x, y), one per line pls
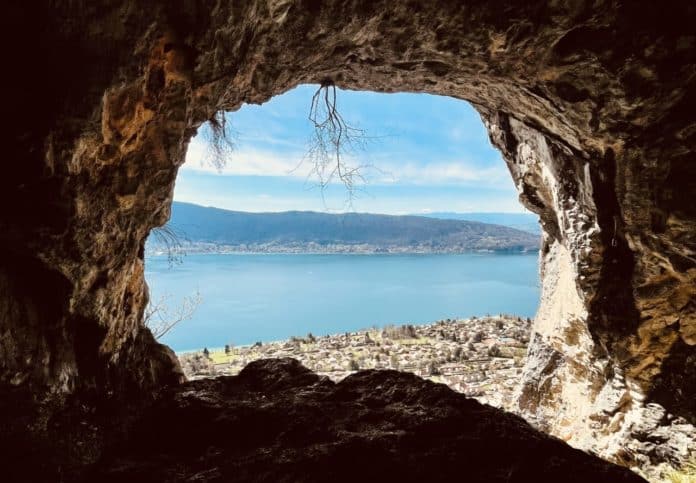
(589, 102)
(265, 256)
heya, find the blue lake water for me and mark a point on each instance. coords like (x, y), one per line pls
(248, 298)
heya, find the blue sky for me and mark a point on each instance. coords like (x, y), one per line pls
(429, 154)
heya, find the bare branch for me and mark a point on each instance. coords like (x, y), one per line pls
(332, 143)
(169, 238)
(160, 317)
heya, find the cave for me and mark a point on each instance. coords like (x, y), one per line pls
(591, 105)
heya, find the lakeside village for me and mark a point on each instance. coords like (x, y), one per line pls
(487, 245)
(480, 357)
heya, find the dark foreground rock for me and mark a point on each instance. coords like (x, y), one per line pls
(277, 421)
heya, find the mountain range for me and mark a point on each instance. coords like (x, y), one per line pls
(202, 228)
(522, 221)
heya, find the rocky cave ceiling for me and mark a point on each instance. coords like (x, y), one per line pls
(591, 103)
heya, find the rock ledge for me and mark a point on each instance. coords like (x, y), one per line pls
(278, 421)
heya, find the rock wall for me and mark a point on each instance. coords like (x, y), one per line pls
(590, 103)
(581, 382)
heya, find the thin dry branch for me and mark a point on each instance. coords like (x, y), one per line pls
(170, 239)
(160, 317)
(332, 143)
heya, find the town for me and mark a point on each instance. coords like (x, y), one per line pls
(480, 357)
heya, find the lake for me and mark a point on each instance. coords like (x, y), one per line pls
(264, 297)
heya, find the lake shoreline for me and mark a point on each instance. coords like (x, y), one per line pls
(375, 251)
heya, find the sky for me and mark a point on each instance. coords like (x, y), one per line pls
(423, 154)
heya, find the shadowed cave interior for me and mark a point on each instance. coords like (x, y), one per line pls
(592, 108)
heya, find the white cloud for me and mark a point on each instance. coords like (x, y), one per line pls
(313, 202)
(242, 163)
(248, 162)
(443, 173)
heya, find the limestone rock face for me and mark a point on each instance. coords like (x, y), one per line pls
(591, 103)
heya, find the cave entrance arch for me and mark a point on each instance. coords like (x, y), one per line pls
(418, 151)
(589, 104)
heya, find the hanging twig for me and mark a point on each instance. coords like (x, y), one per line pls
(167, 238)
(333, 141)
(219, 137)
